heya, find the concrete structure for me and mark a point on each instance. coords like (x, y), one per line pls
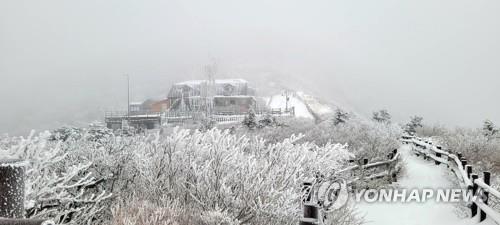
(120, 120)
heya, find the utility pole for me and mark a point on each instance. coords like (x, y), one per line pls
(128, 97)
(286, 93)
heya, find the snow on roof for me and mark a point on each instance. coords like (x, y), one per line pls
(233, 96)
(224, 81)
(217, 81)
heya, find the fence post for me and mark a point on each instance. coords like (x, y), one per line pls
(393, 176)
(464, 163)
(486, 180)
(311, 215)
(468, 169)
(388, 167)
(12, 188)
(362, 172)
(439, 156)
(473, 207)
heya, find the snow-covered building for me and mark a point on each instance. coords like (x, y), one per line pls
(224, 96)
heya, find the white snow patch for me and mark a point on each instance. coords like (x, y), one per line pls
(279, 101)
(314, 104)
(419, 174)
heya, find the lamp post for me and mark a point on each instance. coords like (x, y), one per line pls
(128, 97)
(286, 93)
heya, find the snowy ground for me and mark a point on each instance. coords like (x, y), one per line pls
(305, 105)
(279, 101)
(418, 174)
(314, 103)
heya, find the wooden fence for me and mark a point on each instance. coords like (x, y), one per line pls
(12, 174)
(363, 171)
(463, 170)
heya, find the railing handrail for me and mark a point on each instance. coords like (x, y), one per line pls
(488, 210)
(308, 187)
(466, 177)
(488, 188)
(370, 166)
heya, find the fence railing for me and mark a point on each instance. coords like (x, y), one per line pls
(182, 117)
(364, 171)
(463, 170)
(177, 117)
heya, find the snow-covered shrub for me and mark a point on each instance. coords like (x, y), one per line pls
(98, 134)
(435, 130)
(287, 127)
(480, 150)
(57, 188)
(222, 174)
(65, 133)
(137, 212)
(189, 176)
(268, 120)
(365, 138)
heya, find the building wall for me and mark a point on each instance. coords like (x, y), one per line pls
(160, 106)
(233, 104)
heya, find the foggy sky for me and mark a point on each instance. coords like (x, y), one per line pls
(64, 61)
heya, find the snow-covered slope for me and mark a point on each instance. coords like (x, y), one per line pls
(306, 106)
(279, 102)
(314, 104)
(419, 174)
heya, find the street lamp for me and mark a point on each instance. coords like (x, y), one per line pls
(128, 97)
(286, 93)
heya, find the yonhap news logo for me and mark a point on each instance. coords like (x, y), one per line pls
(419, 195)
(331, 195)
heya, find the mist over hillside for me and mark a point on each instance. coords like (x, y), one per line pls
(79, 105)
(403, 56)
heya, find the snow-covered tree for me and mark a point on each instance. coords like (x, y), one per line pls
(382, 116)
(415, 122)
(206, 123)
(490, 131)
(250, 119)
(340, 116)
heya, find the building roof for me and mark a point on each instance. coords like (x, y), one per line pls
(217, 81)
